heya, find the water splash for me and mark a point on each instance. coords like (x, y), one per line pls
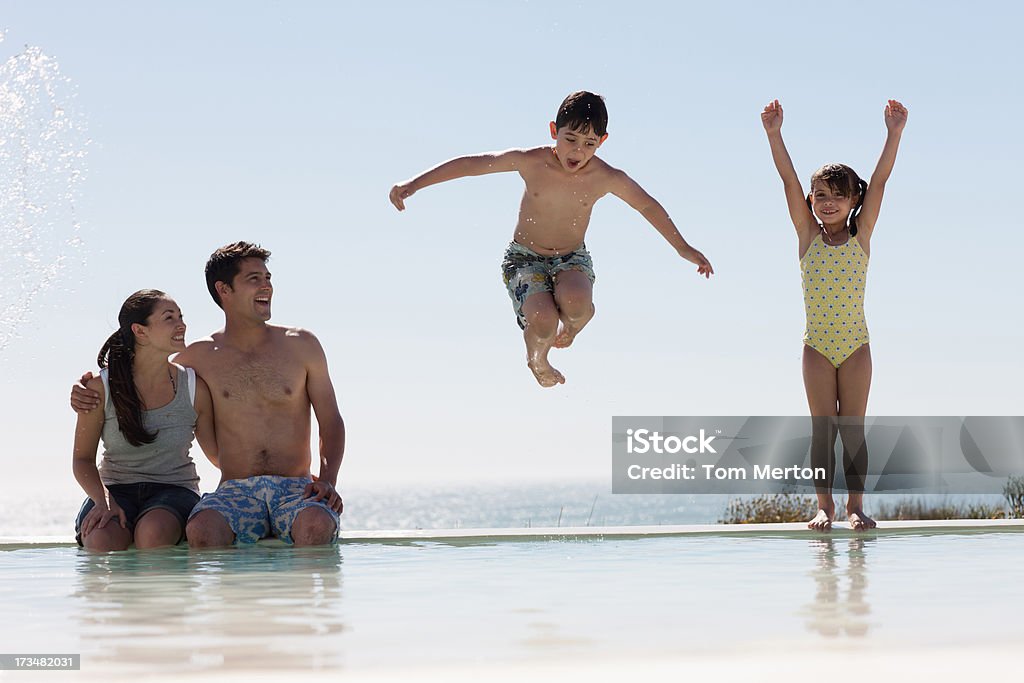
(42, 151)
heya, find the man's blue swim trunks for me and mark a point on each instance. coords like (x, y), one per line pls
(261, 506)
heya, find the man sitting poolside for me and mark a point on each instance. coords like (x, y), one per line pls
(264, 379)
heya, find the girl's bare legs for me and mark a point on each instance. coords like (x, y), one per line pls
(574, 296)
(854, 384)
(842, 392)
(541, 315)
(821, 382)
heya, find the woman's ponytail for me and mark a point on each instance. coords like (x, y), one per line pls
(117, 355)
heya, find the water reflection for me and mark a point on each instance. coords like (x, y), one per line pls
(240, 608)
(831, 613)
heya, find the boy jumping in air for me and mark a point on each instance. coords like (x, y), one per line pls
(547, 269)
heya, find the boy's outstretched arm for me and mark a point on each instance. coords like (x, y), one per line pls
(629, 191)
(799, 212)
(459, 167)
(895, 120)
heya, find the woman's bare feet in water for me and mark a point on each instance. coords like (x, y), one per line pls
(822, 521)
(546, 375)
(858, 520)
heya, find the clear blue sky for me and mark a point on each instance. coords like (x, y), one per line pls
(287, 124)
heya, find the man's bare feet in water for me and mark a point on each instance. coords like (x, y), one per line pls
(568, 333)
(546, 375)
(822, 521)
(858, 520)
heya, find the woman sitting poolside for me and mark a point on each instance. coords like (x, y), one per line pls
(146, 484)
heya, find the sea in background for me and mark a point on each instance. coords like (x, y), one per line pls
(495, 505)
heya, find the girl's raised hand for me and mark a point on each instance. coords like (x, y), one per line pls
(895, 116)
(771, 117)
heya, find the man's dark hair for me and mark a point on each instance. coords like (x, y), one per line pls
(583, 111)
(225, 263)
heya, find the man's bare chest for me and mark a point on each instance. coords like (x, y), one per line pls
(254, 378)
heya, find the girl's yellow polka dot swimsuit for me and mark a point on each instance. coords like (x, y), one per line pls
(833, 280)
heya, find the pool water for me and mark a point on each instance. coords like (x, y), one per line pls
(390, 604)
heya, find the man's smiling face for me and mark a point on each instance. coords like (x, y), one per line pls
(250, 292)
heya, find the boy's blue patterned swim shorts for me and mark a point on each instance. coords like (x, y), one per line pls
(526, 272)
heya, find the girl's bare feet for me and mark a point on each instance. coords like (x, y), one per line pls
(822, 521)
(858, 520)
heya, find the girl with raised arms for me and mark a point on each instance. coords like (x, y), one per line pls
(834, 225)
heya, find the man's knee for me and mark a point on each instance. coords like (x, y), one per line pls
(209, 529)
(314, 526)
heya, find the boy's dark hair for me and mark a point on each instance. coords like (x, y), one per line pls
(582, 111)
(843, 181)
(225, 263)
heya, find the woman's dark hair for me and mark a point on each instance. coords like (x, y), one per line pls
(843, 181)
(118, 356)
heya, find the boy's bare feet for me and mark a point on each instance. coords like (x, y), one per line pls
(858, 520)
(546, 375)
(822, 521)
(569, 330)
(565, 337)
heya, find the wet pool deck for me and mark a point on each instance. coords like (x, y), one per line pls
(910, 599)
(783, 530)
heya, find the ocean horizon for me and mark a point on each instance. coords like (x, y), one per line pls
(465, 505)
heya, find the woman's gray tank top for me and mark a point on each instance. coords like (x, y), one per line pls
(167, 459)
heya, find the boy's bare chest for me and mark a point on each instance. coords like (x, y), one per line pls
(562, 196)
